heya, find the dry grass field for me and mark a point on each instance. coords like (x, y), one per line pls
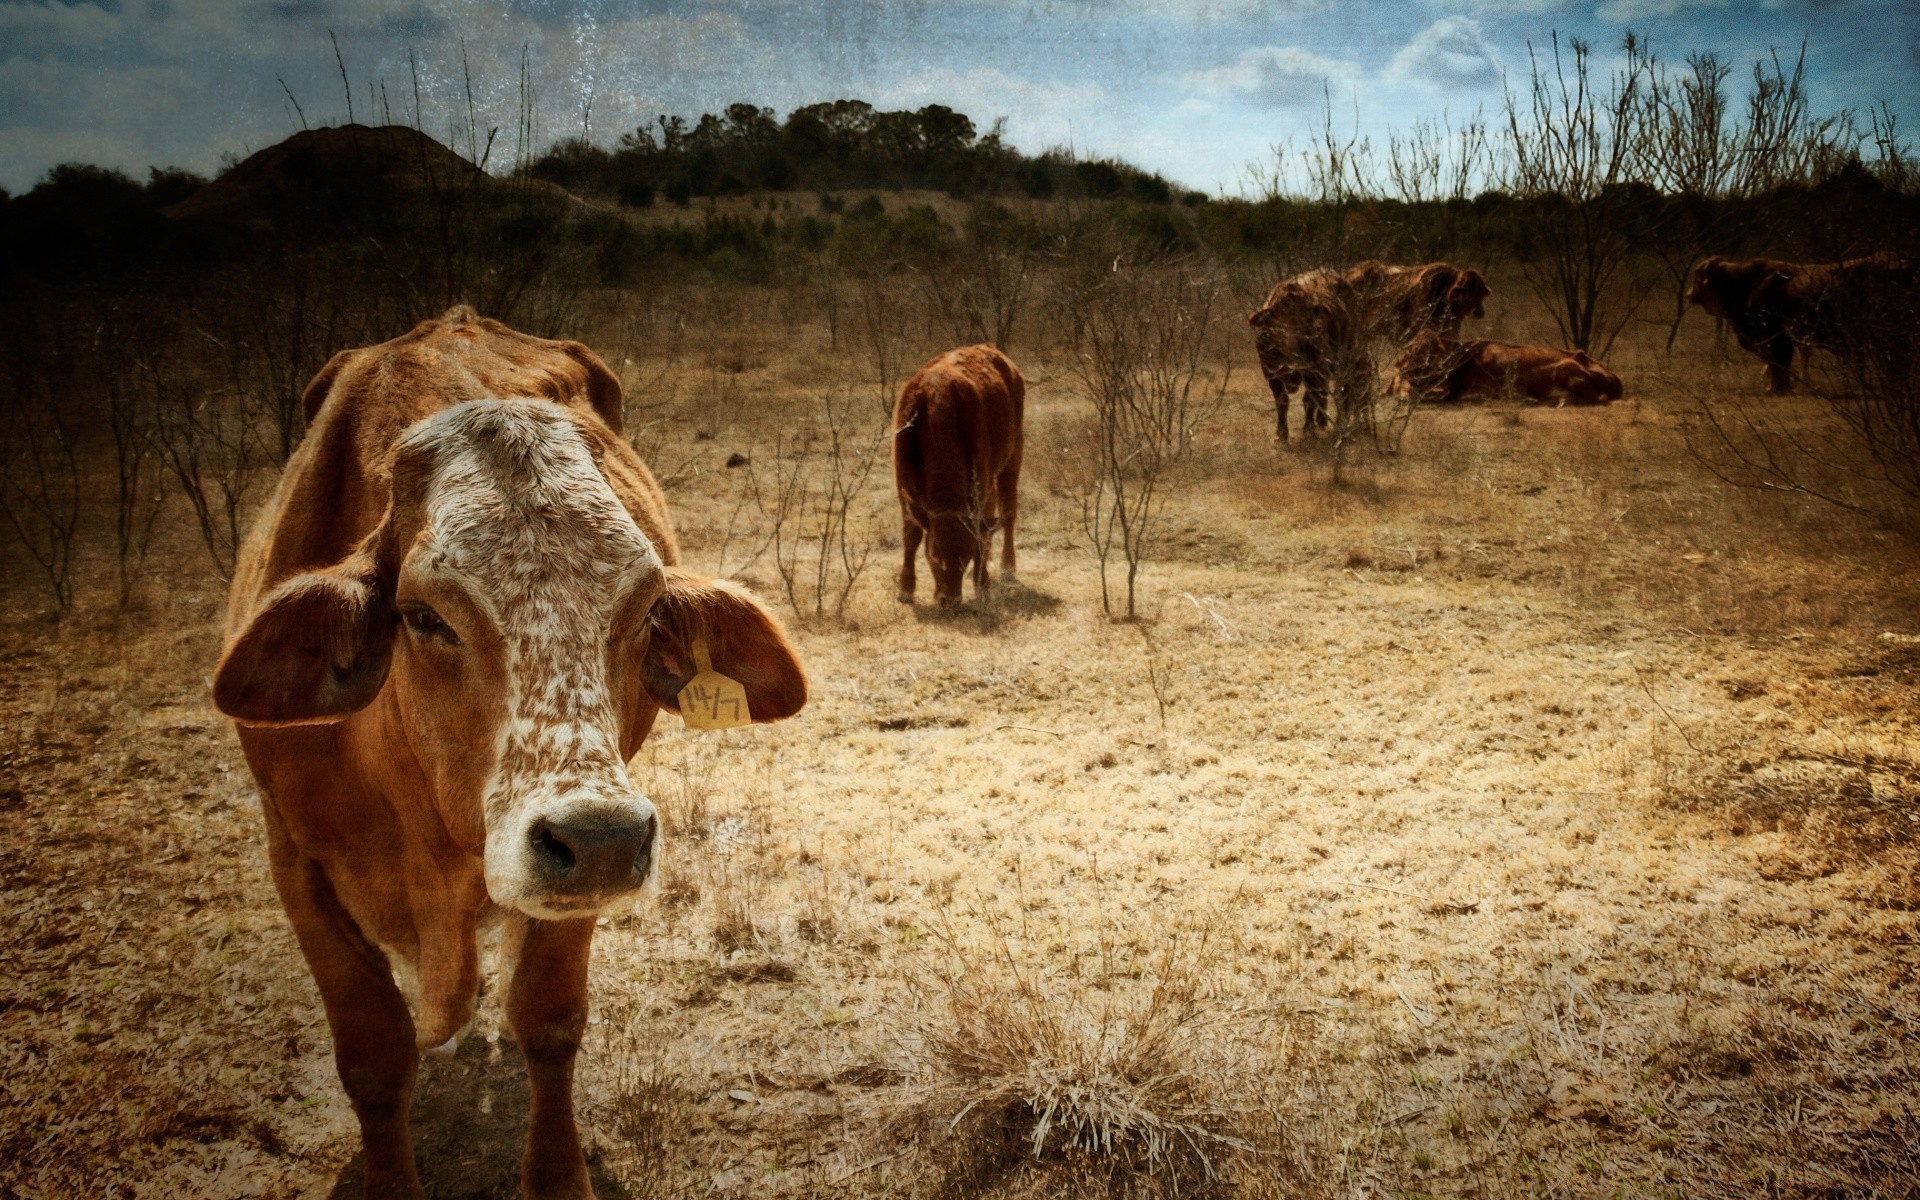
(1530, 813)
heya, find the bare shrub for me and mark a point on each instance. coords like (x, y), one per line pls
(980, 292)
(814, 498)
(40, 477)
(1573, 149)
(212, 442)
(1147, 338)
(881, 314)
(139, 491)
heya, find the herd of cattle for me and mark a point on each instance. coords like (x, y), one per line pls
(1315, 330)
(461, 613)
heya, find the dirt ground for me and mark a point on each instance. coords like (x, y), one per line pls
(1529, 814)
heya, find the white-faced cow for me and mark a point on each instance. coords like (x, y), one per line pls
(449, 631)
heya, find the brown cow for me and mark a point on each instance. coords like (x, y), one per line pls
(450, 629)
(1441, 369)
(1313, 330)
(1407, 301)
(957, 442)
(1778, 307)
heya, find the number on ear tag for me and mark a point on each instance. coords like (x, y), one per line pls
(712, 700)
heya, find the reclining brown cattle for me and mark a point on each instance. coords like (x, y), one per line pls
(449, 631)
(957, 442)
(1313, 329)
(1776, 308)
(1446, 371)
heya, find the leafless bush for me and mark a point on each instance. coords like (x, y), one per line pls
(1144, 367)
(139, 491)
(40, 477)
(813, 497)
(881, 313)
(212, 441)
(981, 292)
(1573, 147)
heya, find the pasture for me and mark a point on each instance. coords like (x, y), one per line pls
(1526, 813)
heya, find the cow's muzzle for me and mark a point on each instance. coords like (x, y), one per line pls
(593, 854)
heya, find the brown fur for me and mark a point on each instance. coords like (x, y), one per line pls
(1442, 369)
(957, 443)
(1776, 308)
(374, 830)
(1310, 330)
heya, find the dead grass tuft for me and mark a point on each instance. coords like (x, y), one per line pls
(1108, 1083)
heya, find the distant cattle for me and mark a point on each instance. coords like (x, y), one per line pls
(450, 629)
(1314, 328)
(1444, 370)
(1776, 307)
(957, 442)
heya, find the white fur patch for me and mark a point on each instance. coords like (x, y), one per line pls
(519, 510)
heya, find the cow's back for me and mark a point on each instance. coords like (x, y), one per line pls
(957, 424)
(335, 486)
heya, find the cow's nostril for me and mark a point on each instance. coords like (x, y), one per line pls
(552, 850)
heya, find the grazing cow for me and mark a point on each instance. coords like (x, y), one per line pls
(1313, 330)
(1777, 307)
(450, 629)
(957, 442)
(1444, 370)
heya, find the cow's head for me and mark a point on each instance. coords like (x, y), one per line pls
(522, 631)
(1706, 287)
(955, 541)
(1467, 295)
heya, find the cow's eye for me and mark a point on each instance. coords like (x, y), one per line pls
(427, 623)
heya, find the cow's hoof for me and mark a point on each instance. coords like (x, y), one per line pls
(905, 597)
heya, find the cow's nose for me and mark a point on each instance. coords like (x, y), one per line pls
(607, 851)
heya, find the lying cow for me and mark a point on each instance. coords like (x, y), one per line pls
(1448, 371)
(957, 442)
(1776, 308)
(1315, 327)
(450, 629)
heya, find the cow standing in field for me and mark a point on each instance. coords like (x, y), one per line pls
(449, 630)
(1776, 308)
(1314, 328)
(1441, 369)
(957, 441)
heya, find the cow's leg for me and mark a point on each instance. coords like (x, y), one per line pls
(910, 535)
(373, 1037)
(547, 1010)
(1779, 358)
(1008, 486)
(1314, 401)
(1281, 388)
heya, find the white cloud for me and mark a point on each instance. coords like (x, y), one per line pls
(1275, 77)
(1450, 53)
(1640, 10)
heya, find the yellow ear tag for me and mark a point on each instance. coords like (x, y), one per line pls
(712, 700)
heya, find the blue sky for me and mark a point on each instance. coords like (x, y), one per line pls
(1196, 89)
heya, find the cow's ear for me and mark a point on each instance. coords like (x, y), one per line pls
(603, 386)
(316, 651)
(743, 641)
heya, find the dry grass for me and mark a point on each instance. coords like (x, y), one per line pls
(1547, 804)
